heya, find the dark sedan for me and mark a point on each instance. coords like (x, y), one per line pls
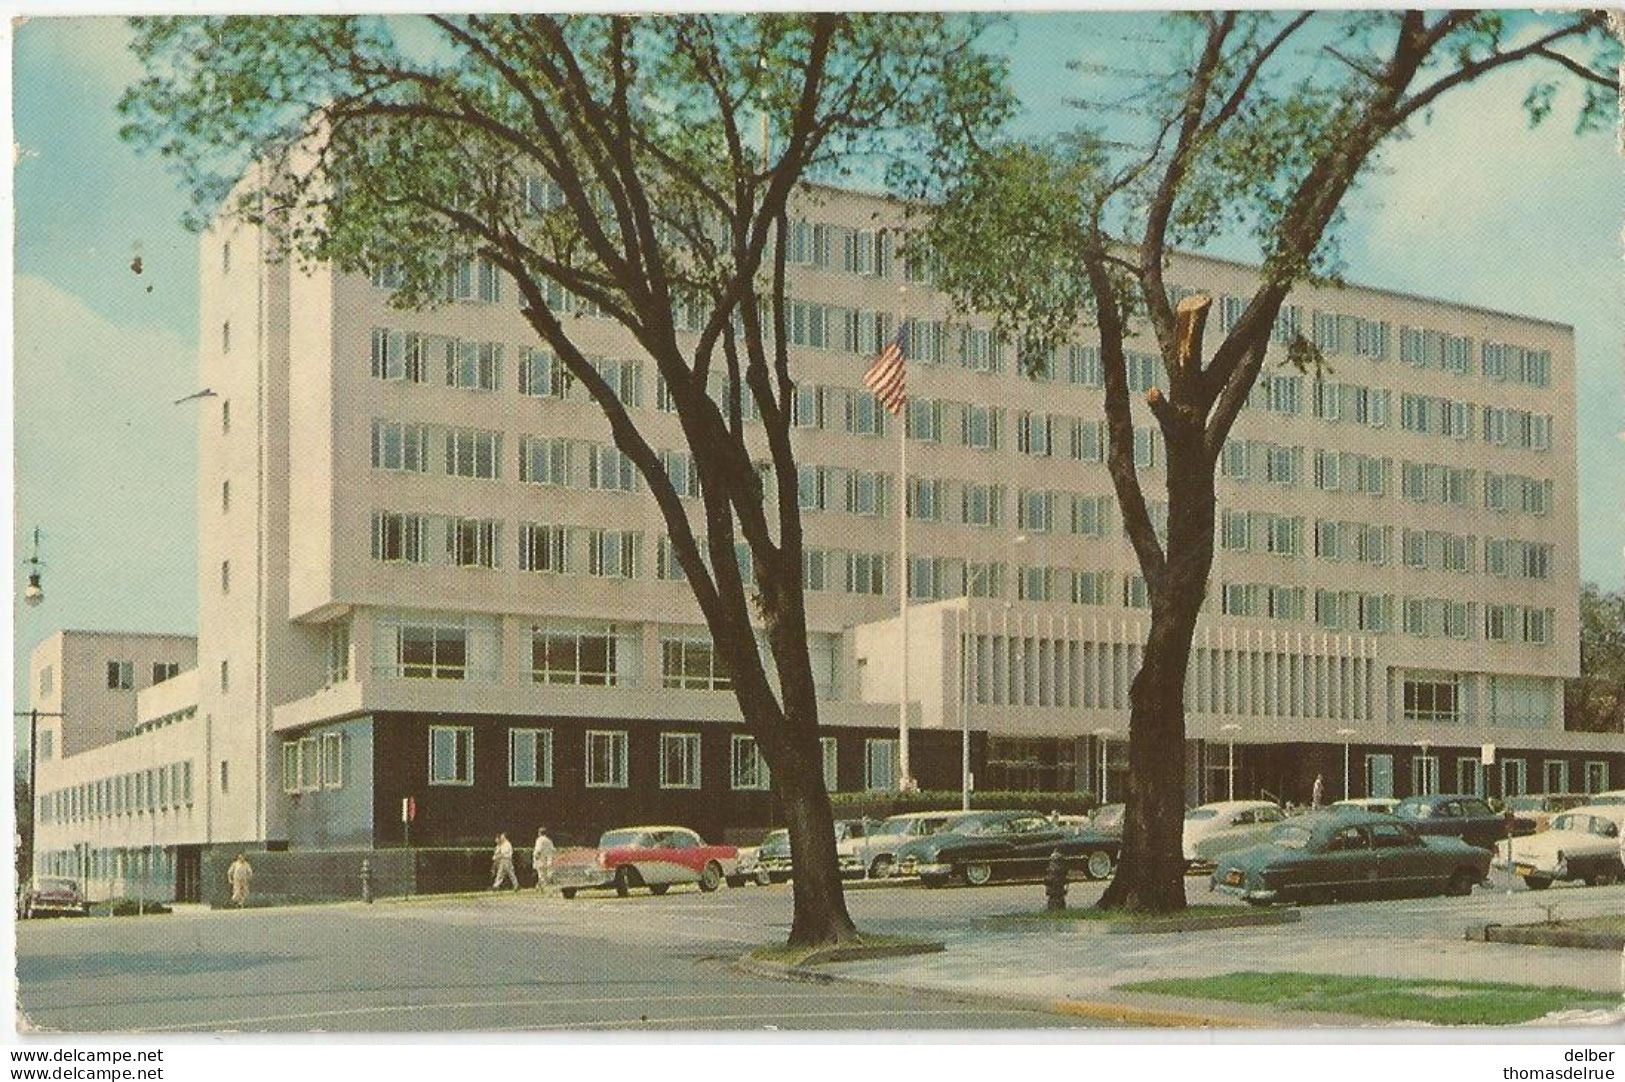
(1346, 854)
(1457, 815)
(982, 846)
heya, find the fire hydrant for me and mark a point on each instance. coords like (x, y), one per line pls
(1055, 882)
(366, 880)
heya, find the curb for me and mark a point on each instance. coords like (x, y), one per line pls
(1148, 1011)
(1541, 935)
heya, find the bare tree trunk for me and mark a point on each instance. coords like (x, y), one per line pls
(1151, 872)
(820, 903)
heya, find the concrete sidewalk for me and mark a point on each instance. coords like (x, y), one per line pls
(1078, 968)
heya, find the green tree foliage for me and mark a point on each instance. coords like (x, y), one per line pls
(1594, 702)
(639, 168)
(1253, 124)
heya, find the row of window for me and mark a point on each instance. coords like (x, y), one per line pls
(605, 766)
(139, 791)
(120, 675)
(313, 762)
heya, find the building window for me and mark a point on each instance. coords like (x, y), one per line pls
(473, 542)
(880, 764)
(1596, 776)
(290, 766)
(164, 670)
(332, 760)
(473, 366)
(679, 760)
(225, 675)
(401, 447)
(693, 664)
(225, 416)
(47, 680)
(1514, 777)
(1432, 698)
(829, 749)
(451, 755)
(544, 461)
(310, 764)
(473, 453)
(225, 337)
(1557, 775)
(614, 554)
(225, 576)
(225, 777)
(530, 758)
(338, 653)
(398, 538)
(225, 496)
(588, 655)
(47, 744)
(431, 653)
(225, 257)
(120, 675)
(749, 766)
(544, 548)
(606, 760)
(1424, 774)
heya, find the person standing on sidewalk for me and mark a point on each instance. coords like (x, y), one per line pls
(541, 857)
(238, 876)
(502, 863)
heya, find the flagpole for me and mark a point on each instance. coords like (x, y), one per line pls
(902, 596)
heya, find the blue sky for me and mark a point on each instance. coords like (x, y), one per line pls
(1475, 208)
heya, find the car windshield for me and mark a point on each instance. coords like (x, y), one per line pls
(1290, 836)
(1109, 816)
(624, 839)
(1196, 814)
(1525, 803)
(1413, 811)
(777, 837)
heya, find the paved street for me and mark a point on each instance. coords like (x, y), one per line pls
(509, 963)
(482, 963)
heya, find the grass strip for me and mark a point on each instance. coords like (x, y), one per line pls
(1449, 1003)
(782, 954)
(1090, 913)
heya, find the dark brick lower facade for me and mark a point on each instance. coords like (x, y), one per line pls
(387, 760)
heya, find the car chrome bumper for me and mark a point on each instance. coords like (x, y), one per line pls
(1245, 894)
(583, 876)
(929, 869)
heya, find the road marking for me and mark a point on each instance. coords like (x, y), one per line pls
(400, 1008)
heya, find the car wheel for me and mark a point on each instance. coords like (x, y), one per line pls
(737, 881)
(1461, 883)
(764, 878)
(567, 892)
(978, 874)
(1599, 880)
(1536, 882)
(711, 877)
(881, 868)
(623, 881)
(659, 888)
(1099, 864)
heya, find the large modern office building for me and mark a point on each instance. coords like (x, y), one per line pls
(426, 574)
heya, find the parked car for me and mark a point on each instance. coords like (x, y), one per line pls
(773, 858)
(50, 894)
(748, 870)
(1338, 855)
(1582, 844)
(653, 857)
(1612, 796)
(978, 847)
(1108, 820)
(1459, 815)
(775, 864)
(1538, 808)
(878, 849)
(1212, 830)
(1382, 805)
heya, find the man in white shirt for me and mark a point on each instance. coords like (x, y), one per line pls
(502, 863)
(541, 857)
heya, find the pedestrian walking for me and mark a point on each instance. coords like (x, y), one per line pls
(541, 857)
(1319, 790)
(238, 876)
(502, 863)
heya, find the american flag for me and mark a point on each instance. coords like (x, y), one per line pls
(885, 374)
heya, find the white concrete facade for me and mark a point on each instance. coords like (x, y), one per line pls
(413, 511)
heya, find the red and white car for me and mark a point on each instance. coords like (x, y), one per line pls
(653, 857)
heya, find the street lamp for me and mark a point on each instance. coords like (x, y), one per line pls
(34, 593)
(1104, 735)
(1345, 734)
(1230, 770)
